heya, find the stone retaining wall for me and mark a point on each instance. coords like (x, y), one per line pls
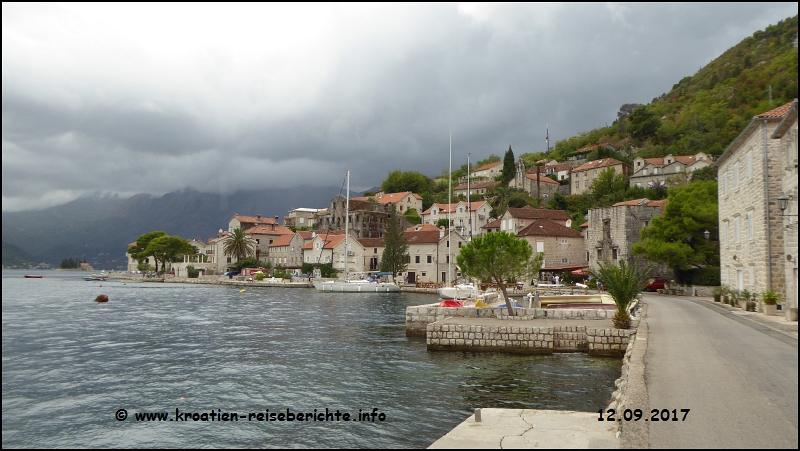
(527, 339)
(418, 317)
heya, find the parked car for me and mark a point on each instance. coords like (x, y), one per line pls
(656, 283)
(231, 274)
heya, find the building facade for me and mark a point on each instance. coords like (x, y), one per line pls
(787, 133)
(460, 214)
(667, 171)
(562, 246)
(612, 232)
(750, 179)
(584, 175)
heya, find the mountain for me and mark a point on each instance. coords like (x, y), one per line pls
(15, 256)
(705, 112)
(99, 228)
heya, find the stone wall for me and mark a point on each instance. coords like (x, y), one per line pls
(418, 317)
(523, 339)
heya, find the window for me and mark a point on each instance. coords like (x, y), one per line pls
(599, 254)
(736, 175)
(752, 277)
(375, 250)
(749, 166)
(677, 169)
(750, 231)
(563, 241)
(736, 230)
(416, 259)
(614, 254)
(725, 233)
(430, 259)
(724, 178)
(564, 261)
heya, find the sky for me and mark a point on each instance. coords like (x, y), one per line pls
(152, 98)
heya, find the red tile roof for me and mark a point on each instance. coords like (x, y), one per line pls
(642, 202)
(586, 149)
(528, 212)
(283, 240)
(388, 198)
(331, 242)
(269, 229)
(541, 179)
(444, 208)
(372, 242)
(422, 228)
(254, 219)
(486, 166)
(306, 235)
(777, 112)
(492, 225)
(546, 227)
(594, 164)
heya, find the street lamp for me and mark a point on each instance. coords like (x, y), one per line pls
(707, 234)
(783, 204)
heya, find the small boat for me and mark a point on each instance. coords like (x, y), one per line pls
(462, 291)
(451, 303)
(94, 277)
(33, 276)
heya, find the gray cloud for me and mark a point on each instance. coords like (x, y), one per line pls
(125, 101)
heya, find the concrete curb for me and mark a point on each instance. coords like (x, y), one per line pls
(636, 434)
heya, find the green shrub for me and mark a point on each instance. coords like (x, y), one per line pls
(192, 272)
(260, 276)
(708, 276)
(770, 297)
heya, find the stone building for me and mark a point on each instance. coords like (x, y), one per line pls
(373, 252)
(582, 177)
(302, 217)
(368, 218)
(751, 174)
(544, 189)
(328, 248)
(787, 133)
(516, 219)
(562, 246)
(613, 231)
(460, 214)
(287, 252)
(402, 201)
(476, 190)
(432, 254)
(667, 171)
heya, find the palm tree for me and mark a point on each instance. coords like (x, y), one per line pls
(238, 244)
(623, 282)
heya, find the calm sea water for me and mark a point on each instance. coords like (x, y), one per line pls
(69, 364)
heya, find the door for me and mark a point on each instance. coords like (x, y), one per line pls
(412, 277)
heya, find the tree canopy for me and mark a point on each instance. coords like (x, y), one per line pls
(139, 249)
(395, 252)
(167, 247)
(509, 167)
(238, 244)
(623, 282)
(499, 257)
(676, 238)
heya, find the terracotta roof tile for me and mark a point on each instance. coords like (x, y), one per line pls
(283, 240)
(528, 212)
(546, 227)
(422, 228)
(777, 112)
(486, 166)
(492, 225)
(633, 202)
(269, 230)
(372, 242)
(542, 179)
(595, 164)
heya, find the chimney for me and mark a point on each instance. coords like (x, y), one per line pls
(258, 218)
(313, 234)
(276, 220)
(441, 232)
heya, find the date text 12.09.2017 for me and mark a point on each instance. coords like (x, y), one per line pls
(637, 414)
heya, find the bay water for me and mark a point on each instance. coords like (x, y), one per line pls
(71, 366)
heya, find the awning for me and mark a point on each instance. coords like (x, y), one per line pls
(383, 274)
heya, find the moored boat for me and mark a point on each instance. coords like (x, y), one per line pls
(33, 276)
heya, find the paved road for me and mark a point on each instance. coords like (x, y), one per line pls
(738, 378)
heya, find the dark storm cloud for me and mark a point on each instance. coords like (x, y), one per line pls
(379, 89)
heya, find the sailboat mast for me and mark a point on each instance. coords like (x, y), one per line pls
(449, 206)
(346, 225)
(469, 205)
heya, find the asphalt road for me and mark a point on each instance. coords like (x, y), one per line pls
(738, 379)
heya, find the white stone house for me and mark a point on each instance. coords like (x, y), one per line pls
(516, 219)
(475, 190)
(432, 254)
(562, 246)
(750, 179)
(302, 217)
(487, 173)
(787, 133)
(286, 252)
(668, 171)
(751, 173)
(331, 249)
(460, 215)
(582, 176)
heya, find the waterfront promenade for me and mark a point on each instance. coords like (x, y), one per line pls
(735, 371)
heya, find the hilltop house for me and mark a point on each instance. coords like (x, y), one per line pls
(301, 217)
(582, 177)
(368, 217)
(667, 171)
(754, 171)
(402, 201)
(486, 173)
(516, 219)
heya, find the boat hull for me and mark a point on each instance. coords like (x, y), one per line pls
(33, 276)
(350, 287)
(458, 292)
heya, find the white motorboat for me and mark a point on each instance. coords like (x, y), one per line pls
(461, 291)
